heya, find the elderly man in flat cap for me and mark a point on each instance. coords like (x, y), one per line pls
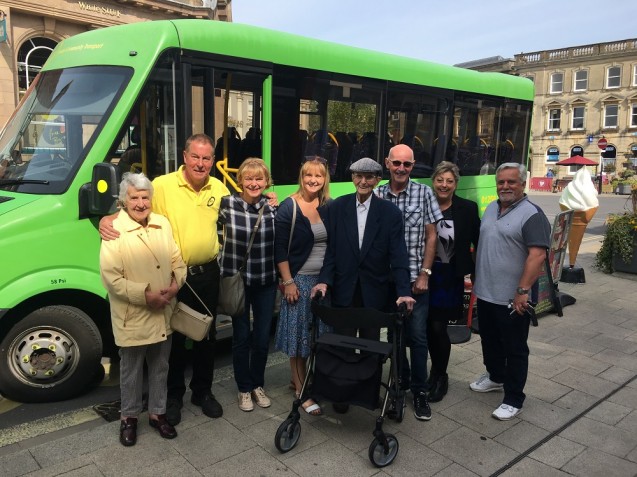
(366, 252)
(366, 262)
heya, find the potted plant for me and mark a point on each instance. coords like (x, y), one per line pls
(626, 182)
(617, 252)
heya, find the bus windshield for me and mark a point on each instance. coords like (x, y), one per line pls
(45, 141)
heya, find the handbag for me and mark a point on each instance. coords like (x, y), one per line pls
(231, 301)
(190, 322)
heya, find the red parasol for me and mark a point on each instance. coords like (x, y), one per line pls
(577, 161)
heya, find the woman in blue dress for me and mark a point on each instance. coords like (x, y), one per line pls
(299, 247)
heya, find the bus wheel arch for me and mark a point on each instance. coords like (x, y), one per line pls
(53, 354)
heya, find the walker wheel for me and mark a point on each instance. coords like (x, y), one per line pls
(377, 454)
(287, 435)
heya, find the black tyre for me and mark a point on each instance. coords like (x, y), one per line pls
(377, 454)
(287, 435)
(52, 354)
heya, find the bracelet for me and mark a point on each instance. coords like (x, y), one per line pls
(288, 282)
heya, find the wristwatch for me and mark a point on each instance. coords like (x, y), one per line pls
(522, 291)
(425, 270)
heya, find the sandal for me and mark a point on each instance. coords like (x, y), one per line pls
(312, 408)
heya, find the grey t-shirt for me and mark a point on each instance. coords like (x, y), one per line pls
(503, 248)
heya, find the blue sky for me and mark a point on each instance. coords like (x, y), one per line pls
(447, 31)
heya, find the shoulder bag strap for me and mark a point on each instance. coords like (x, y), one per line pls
(293, 222)
(254, 232)
(200, 300)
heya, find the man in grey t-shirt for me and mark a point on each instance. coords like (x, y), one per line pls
(514, 237)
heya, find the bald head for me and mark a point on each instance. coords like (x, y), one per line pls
(399, 163)
(401, 152)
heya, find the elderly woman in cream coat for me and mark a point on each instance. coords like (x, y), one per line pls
(142, 271)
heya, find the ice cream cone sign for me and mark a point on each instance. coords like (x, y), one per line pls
(580, 196)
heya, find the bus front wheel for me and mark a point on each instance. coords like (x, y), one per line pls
(52, 354)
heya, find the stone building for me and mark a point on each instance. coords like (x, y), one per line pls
(30, 29)
(582, 94)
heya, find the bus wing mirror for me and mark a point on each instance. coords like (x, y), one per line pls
(100, 196)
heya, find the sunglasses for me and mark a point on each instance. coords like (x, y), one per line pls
(405, 164)
(318, 159)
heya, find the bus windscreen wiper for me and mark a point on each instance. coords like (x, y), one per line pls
(22, 181)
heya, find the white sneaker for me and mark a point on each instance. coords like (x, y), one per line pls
(260, 397)
(245, 402)
(506, 412)
(483, 384)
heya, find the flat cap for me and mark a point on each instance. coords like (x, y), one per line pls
(367, 165)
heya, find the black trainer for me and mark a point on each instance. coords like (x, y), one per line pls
(173, 411)
(422, 411)
(209, 405)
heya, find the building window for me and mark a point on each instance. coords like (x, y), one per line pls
(613, 77)
(554, 119)
(611, 112)
(557, 82)
(635, 75)
(633, 116)
(552, 154)
(581, 80)
(32, 55)
(578, 118)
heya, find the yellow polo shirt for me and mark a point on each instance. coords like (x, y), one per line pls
(192, 215)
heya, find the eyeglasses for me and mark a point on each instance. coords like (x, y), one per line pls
(368, 177)
(405, 164)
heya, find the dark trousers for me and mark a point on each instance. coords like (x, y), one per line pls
(505, 350)
(367, 333)
(250, 346)
(202, 356)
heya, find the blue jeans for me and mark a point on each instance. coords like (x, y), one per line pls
(416, 339)
(250, 347)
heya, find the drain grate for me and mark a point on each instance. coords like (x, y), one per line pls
(109, 411)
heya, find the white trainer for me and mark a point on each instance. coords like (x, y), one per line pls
(506, 412)
(484, 384)
(245, 402)
(260, 397)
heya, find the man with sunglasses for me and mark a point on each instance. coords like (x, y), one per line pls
(420, 213)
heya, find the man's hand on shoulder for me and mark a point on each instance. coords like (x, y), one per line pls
(273, 200)
(107, 232)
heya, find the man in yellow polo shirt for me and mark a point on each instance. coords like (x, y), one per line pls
(190, 199)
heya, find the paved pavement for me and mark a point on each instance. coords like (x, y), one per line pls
(580, 416)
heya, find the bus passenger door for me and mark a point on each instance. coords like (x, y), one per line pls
(227, 105)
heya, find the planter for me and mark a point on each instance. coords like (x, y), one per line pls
(620, 266)
(623, 189)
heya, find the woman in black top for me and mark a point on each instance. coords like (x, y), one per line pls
(458, 234)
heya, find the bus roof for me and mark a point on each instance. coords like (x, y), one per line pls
(114, 45)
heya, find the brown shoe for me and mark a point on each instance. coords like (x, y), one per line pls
(161, 424)
(128, 431)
